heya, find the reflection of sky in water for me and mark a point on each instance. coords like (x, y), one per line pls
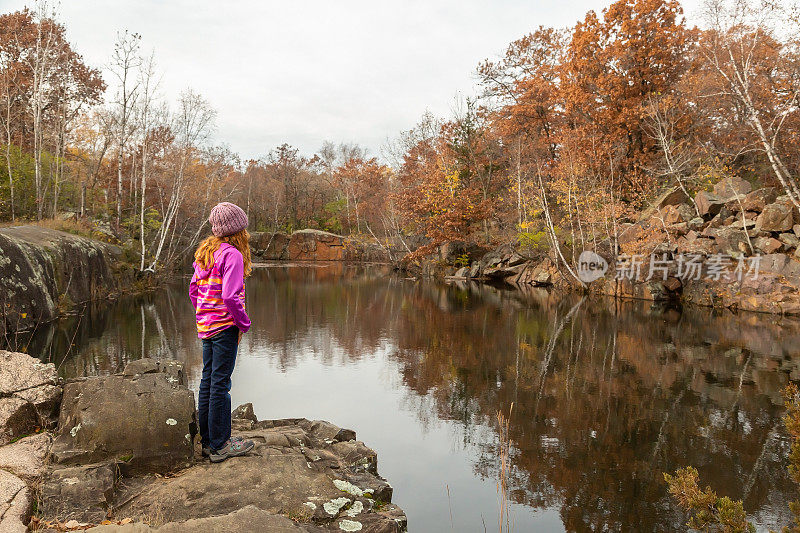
(606, 397)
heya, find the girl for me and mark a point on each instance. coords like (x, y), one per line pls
(222, 261)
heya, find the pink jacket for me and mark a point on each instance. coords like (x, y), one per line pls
(218, 293)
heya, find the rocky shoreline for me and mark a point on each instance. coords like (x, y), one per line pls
(121, 453)
(745, 245)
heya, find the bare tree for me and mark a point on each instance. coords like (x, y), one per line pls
(124, 63)
(191, 124)
(149, 82)
(101, 141)
(678, 156)
(739, 28)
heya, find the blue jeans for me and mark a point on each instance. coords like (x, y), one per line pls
(214, 399)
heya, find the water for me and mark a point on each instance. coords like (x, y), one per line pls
(606, 396)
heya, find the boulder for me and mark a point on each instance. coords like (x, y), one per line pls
(735, 203)
(503, 271)
(26, 457)
(743, 224)
(315, 245)
(515, 259)
(16, 500)
(670, 215)
(696, 245)
(140, 367)
(29, 395)
(172, 369)
(17, 418)
(732, 186)
(695, 224)
(759, 199)
(673, 196)
(325, 432)
(654, 290)
(146, 420)
(244, 412)
(708, 204)
(672, 284)
(496, 257)
(83, 493)
(686, 212)
(679, 229)
(731, 241)
(775, 217)
(786, 201)
(767, 245)
(790, 240)
(541, 274)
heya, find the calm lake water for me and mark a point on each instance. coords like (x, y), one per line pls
(606, 396)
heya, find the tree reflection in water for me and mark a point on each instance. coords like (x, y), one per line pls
(607, 395)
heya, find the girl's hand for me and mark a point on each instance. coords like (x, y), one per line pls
(240, 337)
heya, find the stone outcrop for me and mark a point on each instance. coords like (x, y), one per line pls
(44, 271)
(736, 222)
(126, 453)
(29, 395)
(312, 471)
(314, 245)
(153, 433)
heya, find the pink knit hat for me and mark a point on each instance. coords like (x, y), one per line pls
(226, 219)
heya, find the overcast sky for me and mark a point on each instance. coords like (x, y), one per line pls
(302, 71)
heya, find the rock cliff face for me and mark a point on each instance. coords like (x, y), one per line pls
(44, 270)
(746, 243)
(126, 454)
(314, 245)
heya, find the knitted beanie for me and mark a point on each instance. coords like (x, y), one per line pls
(226, 219)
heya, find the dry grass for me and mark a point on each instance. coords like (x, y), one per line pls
(504, 521)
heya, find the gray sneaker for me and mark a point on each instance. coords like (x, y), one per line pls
(207, 449)
(232, 448)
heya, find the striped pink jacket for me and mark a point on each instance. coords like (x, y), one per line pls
(218, 293)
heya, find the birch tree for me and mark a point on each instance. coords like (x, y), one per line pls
(9, 83)
(149, 82)
(42, 62)
(745, 54)
(124, 64)
(192, 123)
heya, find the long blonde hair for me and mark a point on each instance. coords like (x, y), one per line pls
(239, 240)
